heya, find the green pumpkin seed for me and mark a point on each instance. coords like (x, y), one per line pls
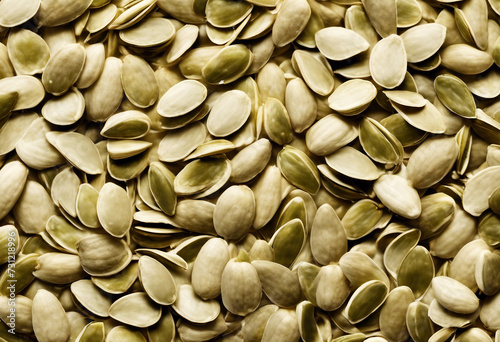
(416, 271)
(202, 176)
(288, 241)
(365, 300)
(28, 51)
(227, 65)
(298, 169)
(161, 183)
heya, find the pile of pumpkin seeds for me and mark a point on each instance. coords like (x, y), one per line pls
(249, 170)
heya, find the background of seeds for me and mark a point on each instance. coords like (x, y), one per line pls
(180, 170)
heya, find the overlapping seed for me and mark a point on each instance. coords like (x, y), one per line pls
(257, 170)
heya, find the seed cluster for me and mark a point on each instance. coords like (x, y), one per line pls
(249, 170)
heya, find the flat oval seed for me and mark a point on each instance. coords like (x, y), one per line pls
(157, 281)
(103, 255)
(455, 95)
(409, 13)
(288, 241)
(479, 188)
(121, 149)
(135, 309)
(234, 212)
(314, 72)
(382, 15)
(13, 178)
(55, 12)
(392, 318)
(13, 13)
(365, 300)
(328, 237)
(329, 134)
(398, 249)
(405, 98)
(58, 79)
(28, 52)
(34, 149)
(416, 271)
(465, 59)
(277, 122)
(359, 268)
(427, 118)
(298, 169)
(148, 33)
(182, 98)
(454, 296)
(241, 289)
(79, 150)
(178, 144)
(130, 124)
(86, 205)
(361, 219)
(228, 64)
(224, 14)
(114, 210)
(94, 64)
(191, 307)
(64, 110)
(338, 43)
(139, 82)
(34, 207)
(91, 298)
(101, 18)
(300, 104)
(184, 38)
(398, 196)
(161, 184)
(201, 175)
(438, 154)
(208, 268)
(65, 189)
(291, 20)
(50, 322)
(388, 62)
(229, 113)
(279, 283)
(352, 97)
(103, 98)
(352, 163)
(29, 89)
(423, 41)
(65, 234)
